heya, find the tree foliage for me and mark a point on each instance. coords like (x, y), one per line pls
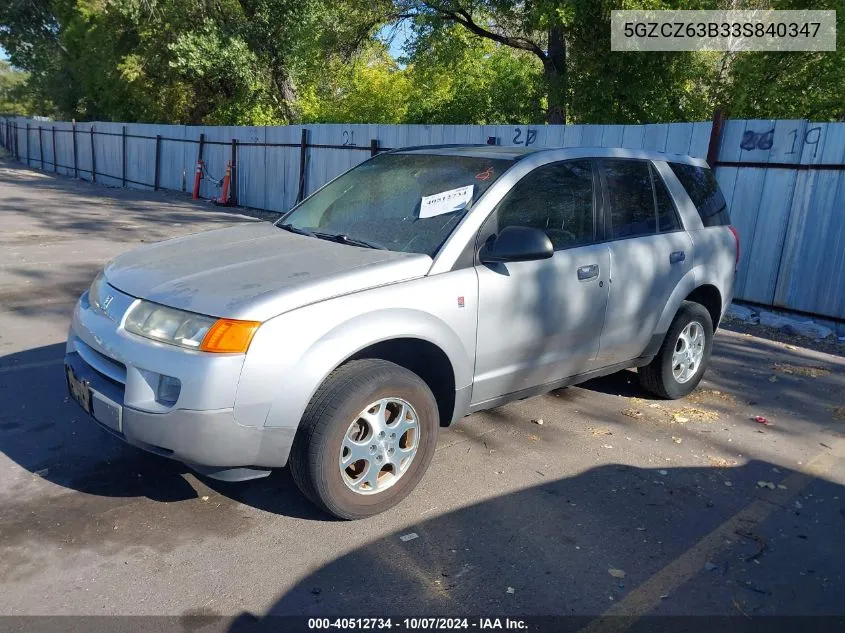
(464, 61)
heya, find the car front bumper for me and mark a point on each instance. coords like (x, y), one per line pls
(121, 373)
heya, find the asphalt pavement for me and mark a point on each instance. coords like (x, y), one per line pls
(617, 504)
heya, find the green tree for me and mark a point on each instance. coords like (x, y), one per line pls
(12, 90)
(808, 85)
(367, 87)
(539, 28)
(456, 77)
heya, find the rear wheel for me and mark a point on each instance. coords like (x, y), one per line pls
(366, 438)
(682, 359)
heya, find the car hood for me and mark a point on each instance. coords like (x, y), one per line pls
(255, 271)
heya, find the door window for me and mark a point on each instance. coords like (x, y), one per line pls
(629, 198)
(555, 198)
(667, 215)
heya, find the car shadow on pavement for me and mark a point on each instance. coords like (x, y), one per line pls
(45, 432)
(582, 544)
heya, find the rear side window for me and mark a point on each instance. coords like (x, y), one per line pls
(630, 198)
(704, 192)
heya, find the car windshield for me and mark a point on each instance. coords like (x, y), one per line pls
(399, 202)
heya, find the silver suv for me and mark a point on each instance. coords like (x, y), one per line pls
(422, 285)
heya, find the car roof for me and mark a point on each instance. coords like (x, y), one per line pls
(516, 153)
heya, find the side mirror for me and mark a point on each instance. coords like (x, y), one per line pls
(517, 244)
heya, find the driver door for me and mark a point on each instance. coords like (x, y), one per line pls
(541, 321)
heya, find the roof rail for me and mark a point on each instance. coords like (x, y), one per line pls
(439, 146)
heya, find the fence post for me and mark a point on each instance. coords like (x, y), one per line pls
(55, 158)
(303, 156)
(233, 196)
(373, 146)
(715, 138)
(27, 144)
(123, 156)
(41, 147)
(157, 163)
(75, 158)
(93, 157)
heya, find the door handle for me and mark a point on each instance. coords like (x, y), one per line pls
(677, 256)
(588, 272)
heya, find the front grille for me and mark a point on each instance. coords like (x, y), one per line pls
(110, 369)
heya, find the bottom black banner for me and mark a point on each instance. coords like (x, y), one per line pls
(248, 623)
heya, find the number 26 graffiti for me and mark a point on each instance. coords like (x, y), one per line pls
(757, 140)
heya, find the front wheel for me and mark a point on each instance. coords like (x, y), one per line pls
(366, 438)
(682, 359)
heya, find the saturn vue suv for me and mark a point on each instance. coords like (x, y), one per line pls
(423, 285)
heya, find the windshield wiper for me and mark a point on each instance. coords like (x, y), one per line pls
(295, 229)
(342, 238)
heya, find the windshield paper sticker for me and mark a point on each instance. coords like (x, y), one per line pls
(446, 201)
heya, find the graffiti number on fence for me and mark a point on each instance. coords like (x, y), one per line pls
(757, 140)
(349, 137)
(814, 140)
(530, 136)
(811, 137)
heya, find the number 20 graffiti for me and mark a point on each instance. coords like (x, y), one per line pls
(530, 136)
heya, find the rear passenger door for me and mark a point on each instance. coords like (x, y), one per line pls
(649, 255)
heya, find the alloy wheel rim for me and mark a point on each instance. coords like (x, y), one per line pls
(379, 446)
(688, 353)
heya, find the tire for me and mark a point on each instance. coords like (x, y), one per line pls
(660, 376)
(334, 421)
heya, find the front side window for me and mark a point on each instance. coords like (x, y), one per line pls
(555, 198)
(629, 197)
(399, 202)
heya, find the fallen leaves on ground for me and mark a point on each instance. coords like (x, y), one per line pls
(810, 371)
(838, 413)
(632, 413)
(700, 396)
(694, 413)
(599, 431)
(616, 573)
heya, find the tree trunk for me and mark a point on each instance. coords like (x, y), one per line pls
(285, 91)
(554, 73)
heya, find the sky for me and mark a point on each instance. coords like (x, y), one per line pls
(395, 36)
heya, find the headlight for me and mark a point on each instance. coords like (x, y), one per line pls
(186, 329)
